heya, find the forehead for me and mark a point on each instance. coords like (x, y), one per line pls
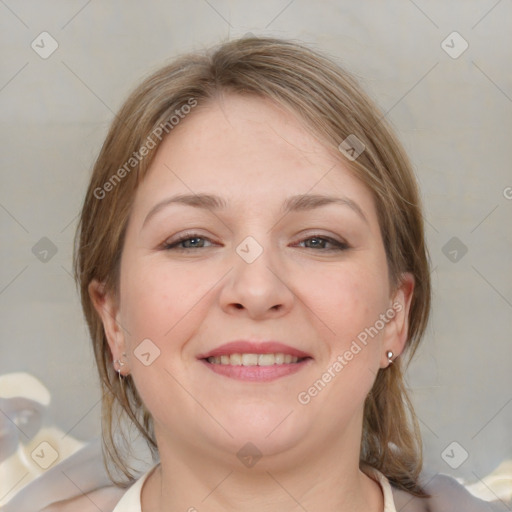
(243, 128)
(246, 148)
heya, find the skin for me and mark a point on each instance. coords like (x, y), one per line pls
(299, 291)
(100, 499)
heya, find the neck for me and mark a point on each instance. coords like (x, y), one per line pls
(190, 480)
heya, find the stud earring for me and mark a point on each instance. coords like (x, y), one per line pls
(389, 355)
(118, 365)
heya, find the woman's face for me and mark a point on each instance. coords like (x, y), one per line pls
(280, 257)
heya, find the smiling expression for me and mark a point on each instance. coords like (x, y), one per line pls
(252, 259)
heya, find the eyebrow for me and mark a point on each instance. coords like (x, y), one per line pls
(302, 202)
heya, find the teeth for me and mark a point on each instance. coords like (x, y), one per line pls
(253, 359)
(266, 359)
(234, 359)
(249, 359)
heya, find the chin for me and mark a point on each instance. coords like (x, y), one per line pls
(272, 430)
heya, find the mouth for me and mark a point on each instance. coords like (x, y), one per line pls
(251, 361)
(255, 359)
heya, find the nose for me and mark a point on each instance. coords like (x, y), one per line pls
(256, 288)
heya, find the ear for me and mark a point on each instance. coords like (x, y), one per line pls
(107, 307)
(397, 328)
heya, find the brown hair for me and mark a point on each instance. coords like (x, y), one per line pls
(332, 106)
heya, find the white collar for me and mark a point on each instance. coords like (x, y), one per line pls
(131, 500)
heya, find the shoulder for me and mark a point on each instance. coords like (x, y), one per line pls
(104, 499)
(446, 495)
(447, 492)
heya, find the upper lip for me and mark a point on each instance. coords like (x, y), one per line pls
(253, 347)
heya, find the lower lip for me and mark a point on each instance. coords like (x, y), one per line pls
(257, 373)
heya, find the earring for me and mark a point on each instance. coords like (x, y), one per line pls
(389, 355)
(120, 365)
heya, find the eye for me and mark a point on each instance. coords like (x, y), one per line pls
(323, 243)
(191, 241)
(186, 242)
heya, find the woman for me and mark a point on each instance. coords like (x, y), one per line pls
(253, 271)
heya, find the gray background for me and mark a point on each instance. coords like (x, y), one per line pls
(454, 116)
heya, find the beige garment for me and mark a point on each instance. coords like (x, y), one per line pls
(131, 500)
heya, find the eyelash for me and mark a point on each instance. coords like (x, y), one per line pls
(337, 246)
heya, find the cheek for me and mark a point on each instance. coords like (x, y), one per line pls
(350, 301)
(347, 300)
(163, 303)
